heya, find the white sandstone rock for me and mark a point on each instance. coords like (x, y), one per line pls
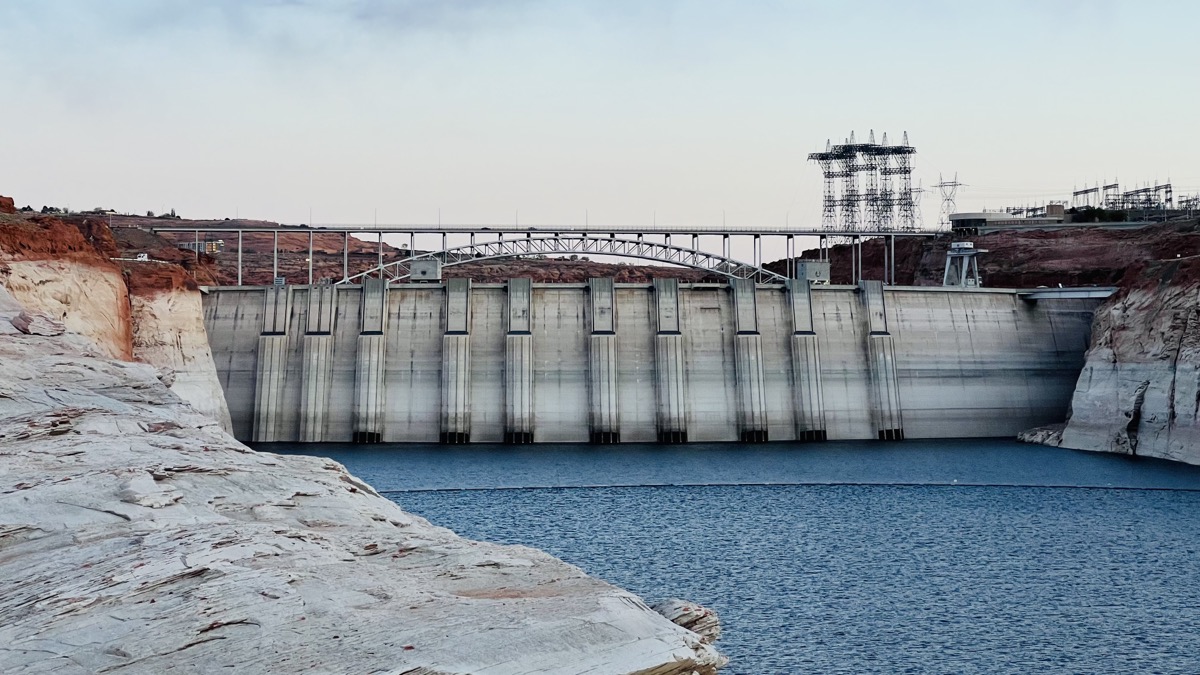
(34, 323)
(168, 332)
(1048, 435)
(138, 537)
(91, 302)
(1139, 391)
(696, 618)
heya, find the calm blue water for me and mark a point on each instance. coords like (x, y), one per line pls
(953, 557)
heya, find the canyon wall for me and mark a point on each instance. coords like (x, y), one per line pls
(73, 273)
(1139, 391)
(168, 332)
(139, 537)
(48, 266)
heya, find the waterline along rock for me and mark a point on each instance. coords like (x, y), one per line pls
(139, 537)
(1139, 390)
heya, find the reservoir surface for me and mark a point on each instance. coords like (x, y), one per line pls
(918, 556)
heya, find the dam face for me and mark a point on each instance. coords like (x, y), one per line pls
(458, 362)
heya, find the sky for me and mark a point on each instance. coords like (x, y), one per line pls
(544, 112)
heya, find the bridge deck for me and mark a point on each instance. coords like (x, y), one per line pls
(577, 230)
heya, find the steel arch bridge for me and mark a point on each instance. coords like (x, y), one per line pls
(575, 243)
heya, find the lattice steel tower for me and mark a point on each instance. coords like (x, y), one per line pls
(882, 205)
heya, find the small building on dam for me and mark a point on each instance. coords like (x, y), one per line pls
(601, 362)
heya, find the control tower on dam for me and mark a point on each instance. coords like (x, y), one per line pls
(602, 362)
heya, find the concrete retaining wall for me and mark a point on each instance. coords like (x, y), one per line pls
(610, 362)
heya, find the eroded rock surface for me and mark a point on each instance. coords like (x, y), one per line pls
(138, 537)
(696, 618)
(168, 333)
(34, 323)
(1139, 392)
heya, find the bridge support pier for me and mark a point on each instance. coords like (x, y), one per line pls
(748, 366)
(370, 391)
(518, 364)
(317, 365)
(603, 418)
(806, 365)
(456, 363)
(881, 349)
(669, 364)
(271, 369)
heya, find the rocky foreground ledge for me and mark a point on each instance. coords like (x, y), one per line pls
(138, 537)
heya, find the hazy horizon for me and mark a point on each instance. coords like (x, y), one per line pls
(630, 112)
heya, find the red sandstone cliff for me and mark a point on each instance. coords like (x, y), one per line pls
(75, 271)
(49, 265)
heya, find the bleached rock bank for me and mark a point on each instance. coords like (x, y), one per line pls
(1139, 391)
(168, 332)
(138, 537)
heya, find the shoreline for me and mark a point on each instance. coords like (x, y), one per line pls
(137, 534)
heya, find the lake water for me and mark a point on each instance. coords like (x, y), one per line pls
(913, 557)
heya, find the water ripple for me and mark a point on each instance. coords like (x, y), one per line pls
(848, 559)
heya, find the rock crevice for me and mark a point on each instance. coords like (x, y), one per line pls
(1139, 391)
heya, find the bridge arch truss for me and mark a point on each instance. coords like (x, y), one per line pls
(400, 270)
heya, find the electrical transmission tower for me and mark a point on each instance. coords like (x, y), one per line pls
(949, 190)
(882, 205)
(915, 196)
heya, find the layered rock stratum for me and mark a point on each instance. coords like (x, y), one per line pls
(1139, 391)
(137, 536)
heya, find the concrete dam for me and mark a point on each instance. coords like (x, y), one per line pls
(520, 362)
